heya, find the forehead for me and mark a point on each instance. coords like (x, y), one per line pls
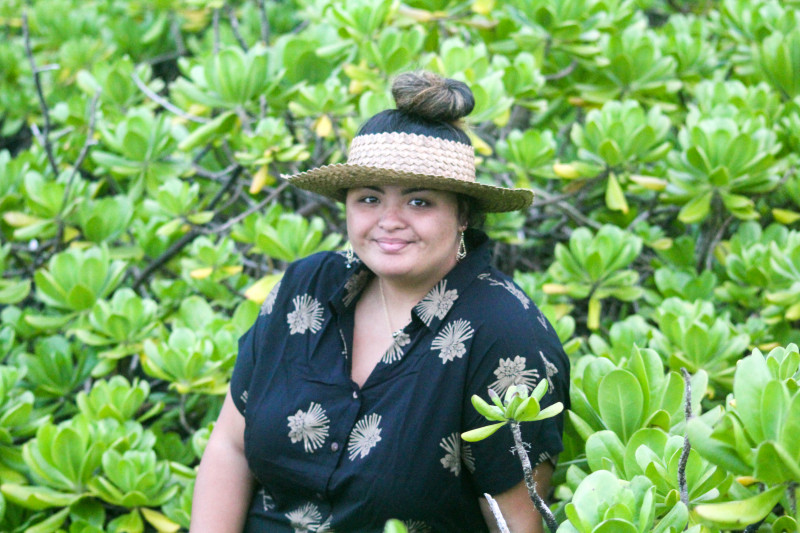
(404, 191)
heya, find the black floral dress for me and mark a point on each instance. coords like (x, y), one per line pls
(329, 455)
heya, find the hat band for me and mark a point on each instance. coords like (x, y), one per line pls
(417, 154)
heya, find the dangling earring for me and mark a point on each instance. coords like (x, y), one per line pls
(462, 249)
(349, 254)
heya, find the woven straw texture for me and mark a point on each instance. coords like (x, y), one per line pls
(412, 161)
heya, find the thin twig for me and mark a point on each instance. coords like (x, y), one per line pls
(215, 25)
(235, 173)
(538, 502)
(44, 137)
(88, 143)
(569, 210)
(235, 26)
(687, 447)
(175, 30)
(562, 73)
(203, 173)
(244, 214)
(498, 516)
(182, 415)
(717, 237)
(262, 9)
(163, 102)
(168, 254)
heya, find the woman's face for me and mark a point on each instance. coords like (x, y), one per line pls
(404, 235)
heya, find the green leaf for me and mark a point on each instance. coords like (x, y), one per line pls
(490, 412)
(739, 514)
(36, 498)
(205, 133)
(395, 526)
(52, 523)
(620, 403)
(481, 433)
(615, 197)
(696, 210)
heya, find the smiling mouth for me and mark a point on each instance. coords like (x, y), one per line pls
(391, 245)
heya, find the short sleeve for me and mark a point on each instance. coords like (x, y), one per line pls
(518, 352)
(246, 358)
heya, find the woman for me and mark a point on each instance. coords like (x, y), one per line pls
(351, 390)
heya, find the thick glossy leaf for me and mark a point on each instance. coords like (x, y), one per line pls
(620, 401)
(739, 514)
(481, 433)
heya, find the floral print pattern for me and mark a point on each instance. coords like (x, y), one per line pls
(395, 351)
(513, 372)
(309, 426)
(365, 435)
(305, 519)
(456, 454)
(508, 285)
(307, 315)
(436, 303)
(550, 369)
(450, 341)
(269, 301)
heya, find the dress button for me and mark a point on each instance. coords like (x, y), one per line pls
(355, 395)
(335, 447)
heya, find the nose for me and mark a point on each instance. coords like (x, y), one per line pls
(391, 218)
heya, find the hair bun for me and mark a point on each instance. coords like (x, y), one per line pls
(432, 97)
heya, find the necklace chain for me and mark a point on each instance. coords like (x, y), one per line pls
(386, 310)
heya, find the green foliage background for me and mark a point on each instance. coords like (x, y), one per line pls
(144, 221)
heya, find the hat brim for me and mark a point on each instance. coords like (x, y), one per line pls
(334, 180)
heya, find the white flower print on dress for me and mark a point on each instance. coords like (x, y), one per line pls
(307, 315)
(451, 340)
(354, 286)
(550, 369)
(309, 426)
(456, 454)
(365, 435)
(395, 351)
(305, 519)
(510, 287)
(513, 372)
(325, 527)
(269, 301)
(266, 500)
(417, 526)
(436, 303)
(542, 320)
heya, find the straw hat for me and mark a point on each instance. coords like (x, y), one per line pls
(383, 154)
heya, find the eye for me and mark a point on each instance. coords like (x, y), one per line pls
(368, 199)
(419, 202)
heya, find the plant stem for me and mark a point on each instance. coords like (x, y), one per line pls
(537, 500)
(44, 136)
(90, 141)
(682, 485)
(498, 516)
(163, 102)
(262, 10)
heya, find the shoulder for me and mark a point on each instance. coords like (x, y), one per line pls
(319, 274)
(320, 270)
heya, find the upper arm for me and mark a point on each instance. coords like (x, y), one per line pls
(516, 506)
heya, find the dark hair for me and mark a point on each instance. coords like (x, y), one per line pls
(427, 104)
(468, 212)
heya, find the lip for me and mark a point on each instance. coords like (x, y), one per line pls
(392, 245)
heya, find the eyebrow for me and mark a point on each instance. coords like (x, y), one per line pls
(410, 190)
